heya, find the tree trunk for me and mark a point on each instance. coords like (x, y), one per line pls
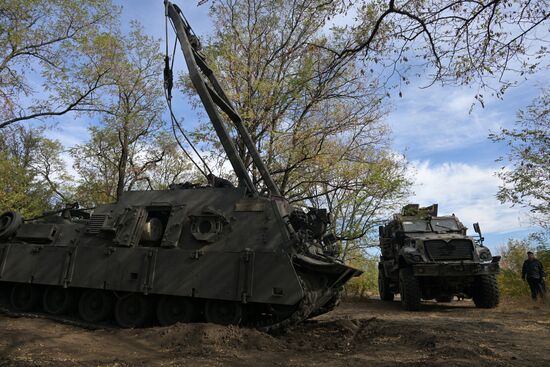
(122, 163)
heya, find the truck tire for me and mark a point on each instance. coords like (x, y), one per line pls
(384, 287)
(409, 288)
(485, 291)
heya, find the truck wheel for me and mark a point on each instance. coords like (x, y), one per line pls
(409, 288)
(384, 287)
(485, 292)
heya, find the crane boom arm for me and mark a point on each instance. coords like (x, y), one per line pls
(213, 97)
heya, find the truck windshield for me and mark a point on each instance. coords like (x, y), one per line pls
(444, 225)
(438, 225)
(416, 226)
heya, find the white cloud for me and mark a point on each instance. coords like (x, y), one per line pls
(70, 134)
(469, 192)
(460, 102)
(445, 118)
(439, 119)
(69, 165)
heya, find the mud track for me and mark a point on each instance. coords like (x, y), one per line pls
(358, 333)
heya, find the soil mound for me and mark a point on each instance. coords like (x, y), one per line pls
(370, 333)
(208, 339)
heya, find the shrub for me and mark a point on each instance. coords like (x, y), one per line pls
(513, 255)
(367, 283)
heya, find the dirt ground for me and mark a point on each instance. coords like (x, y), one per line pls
(358, 333)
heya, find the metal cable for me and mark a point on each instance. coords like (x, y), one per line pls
(174, 121)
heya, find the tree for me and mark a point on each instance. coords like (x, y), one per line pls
(129, 142)
(374, 187)
(314, 117)
(527, 181)
(487, 43)
(42, 40)
(32, 171)
(172, 169)
(153, 163)
(367, 283)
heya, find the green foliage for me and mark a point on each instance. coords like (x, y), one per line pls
(315, 118)
(87, 64)
(514, 253)
(30, 171)
(16, 190)
(527, 182)
(366, 283)
(44, 38)
(126, 143)
(449, 42)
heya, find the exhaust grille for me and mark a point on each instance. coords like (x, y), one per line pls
(452, 250)
(95, 223)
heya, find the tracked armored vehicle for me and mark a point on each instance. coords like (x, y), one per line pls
(219, 253)
(425, 256)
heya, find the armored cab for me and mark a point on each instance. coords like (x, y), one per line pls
(221, 253)
(426, 256)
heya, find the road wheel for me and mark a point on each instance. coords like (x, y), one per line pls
(4, 294)
(384, 287)
(223, 312)
(486, 293)
(132, 311)
(409, 288)
(171, 310)
(57, 300)
(24, 297)
(444, 299)
(95, 305)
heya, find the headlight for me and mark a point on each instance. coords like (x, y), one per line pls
(414, 257)
(417, 258)
(485, 256)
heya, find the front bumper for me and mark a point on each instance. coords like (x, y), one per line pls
(455, 269)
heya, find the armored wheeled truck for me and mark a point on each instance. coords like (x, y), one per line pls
(426, 256)
(221, 253)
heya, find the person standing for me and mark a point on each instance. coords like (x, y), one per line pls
(533, 273)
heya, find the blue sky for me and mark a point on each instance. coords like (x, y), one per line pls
(452, 160)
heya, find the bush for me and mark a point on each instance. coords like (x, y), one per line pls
(367, 283)
(513, 255)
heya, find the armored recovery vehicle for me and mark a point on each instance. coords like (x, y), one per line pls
(425, 256)
(220, 253)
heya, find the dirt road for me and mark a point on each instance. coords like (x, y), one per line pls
(359, 333)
